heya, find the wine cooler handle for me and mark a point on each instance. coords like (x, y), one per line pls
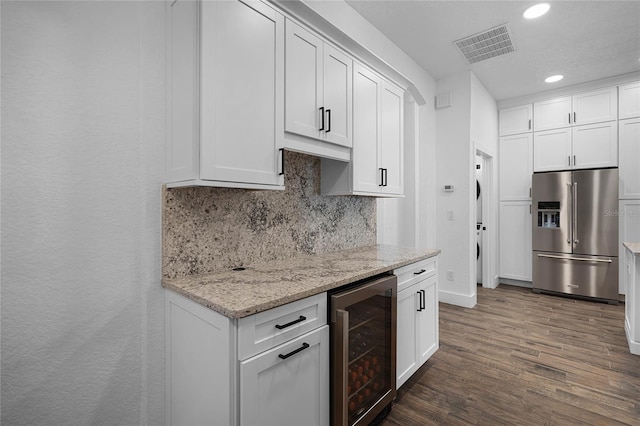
(289, 324)
(342, 364)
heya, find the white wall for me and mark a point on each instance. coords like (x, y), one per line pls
(82, 161)
(484, 133)
(456, 159)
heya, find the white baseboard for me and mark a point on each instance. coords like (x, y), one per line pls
(634, 347)
(517, 283)
(464, 300)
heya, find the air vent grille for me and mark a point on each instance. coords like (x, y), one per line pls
(487, 44)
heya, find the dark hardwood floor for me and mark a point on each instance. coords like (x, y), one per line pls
(519, 358)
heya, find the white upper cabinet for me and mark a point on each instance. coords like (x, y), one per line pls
(552, 150)
(377, 162)
(596, 106)
(580, 147)
(224, 117)
(516, 120)
(516, 167)
(318, 90)
(629, 133)
(595, 145)
(629, 101)
(552, 114)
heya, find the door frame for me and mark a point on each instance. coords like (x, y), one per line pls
(490, 278)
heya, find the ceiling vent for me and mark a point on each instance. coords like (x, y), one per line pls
(487, 44)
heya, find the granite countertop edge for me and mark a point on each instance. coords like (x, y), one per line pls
(633, 247)
(271, 284)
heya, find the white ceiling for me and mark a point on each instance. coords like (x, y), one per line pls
(583, 40)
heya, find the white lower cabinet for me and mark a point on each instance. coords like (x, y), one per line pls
(417, 322)
(287, 385)
(628, 231)
(515, 240)
(270, 368)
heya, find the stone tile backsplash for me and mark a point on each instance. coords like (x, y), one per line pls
(206, 229)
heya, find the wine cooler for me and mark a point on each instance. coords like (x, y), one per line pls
(363, 351)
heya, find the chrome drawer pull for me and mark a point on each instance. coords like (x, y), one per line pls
(575, 258)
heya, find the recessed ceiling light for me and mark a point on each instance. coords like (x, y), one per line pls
(536, 10)
(553, 78)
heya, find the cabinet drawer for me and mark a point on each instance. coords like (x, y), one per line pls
(410, 274)
(267, 329)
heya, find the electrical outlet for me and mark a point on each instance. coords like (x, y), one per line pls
(450, 214)
(450, 275)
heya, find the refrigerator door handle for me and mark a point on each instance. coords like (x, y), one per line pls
(570, 196)
(575, 258)
(575, 214)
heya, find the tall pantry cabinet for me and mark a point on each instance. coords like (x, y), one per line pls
(629, 169)
(515, 169)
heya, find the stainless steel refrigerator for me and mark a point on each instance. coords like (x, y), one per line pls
(575, 233)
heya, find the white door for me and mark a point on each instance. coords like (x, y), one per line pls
(391, 157)
(303, 81)
(629, 101)
(427, 320)
(516, 167)
(552, 114)
(595, 145)
(515, 240)
(628, 164)
(595, 107)
(407, 334)
(629, 231)
(238, 135)
(552, 150)
(367, 176)
(337, 96)
(289, 384)
(516, 120)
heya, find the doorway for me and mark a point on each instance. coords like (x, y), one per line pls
(486, 221)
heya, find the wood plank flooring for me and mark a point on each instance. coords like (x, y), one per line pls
(519, 358)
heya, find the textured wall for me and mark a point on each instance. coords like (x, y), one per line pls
(206, 229)
(82, 163)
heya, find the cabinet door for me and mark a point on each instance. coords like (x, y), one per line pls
(552, 114)
(516, 167)
(303, 81)
(240, 111)
(289, 384)
(367, 176)
(391, 157)
(407, 347)
(629, 231)
(595, 145)
(552, 150)
(516, 120)
(629, 101)
(337, 96)
(595, 107)
(629, 138)
(427, 320)
(515, 240)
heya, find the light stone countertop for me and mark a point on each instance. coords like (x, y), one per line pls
(260, 287)
(634, 247)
